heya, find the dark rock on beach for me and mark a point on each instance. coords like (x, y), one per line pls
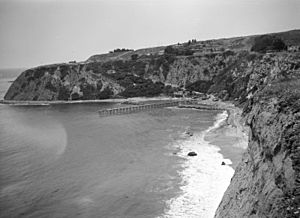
(192, 153)
(189, 133)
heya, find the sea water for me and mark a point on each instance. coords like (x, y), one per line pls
(66, 161)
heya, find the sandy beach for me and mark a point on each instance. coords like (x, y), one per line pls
(206, 176)
(232, 135)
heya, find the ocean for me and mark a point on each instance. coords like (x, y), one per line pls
(67, 161)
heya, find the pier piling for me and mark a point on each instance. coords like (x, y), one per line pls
(137, 108)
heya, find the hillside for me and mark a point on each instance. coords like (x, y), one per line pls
(148, 72)
(238, 43)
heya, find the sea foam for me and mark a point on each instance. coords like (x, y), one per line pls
(204, 178)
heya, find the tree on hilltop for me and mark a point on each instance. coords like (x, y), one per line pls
(266, 43)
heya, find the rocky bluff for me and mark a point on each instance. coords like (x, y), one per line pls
(260, 73)
(222, 67)
(266, 182)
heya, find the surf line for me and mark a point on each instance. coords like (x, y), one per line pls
(204, 179)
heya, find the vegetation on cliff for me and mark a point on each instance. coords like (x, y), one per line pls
(221, 67)
(268, 43)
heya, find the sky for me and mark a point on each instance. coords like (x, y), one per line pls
(37, 32)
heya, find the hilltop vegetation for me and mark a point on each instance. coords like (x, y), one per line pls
(120, 50)
(268, 43)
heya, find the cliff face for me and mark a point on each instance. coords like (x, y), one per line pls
(222, 67)
(145, 76)
(61, 82)
(267, 181)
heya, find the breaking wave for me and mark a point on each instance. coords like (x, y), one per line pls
(204, 178)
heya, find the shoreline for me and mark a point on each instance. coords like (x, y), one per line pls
(204, 177)
(113, 100)
(232, 136)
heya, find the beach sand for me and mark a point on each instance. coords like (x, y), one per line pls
(232, 136)
(204, 177)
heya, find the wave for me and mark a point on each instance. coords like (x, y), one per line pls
(204, 178)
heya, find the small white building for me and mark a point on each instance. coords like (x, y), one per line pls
(293, 48)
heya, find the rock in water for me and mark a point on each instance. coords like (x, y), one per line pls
(189, 133)
(192, 153)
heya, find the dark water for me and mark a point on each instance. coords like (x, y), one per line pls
(66, 161)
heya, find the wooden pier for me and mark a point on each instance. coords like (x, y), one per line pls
(144, 107)
(136, 108)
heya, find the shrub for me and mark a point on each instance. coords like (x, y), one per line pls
(88, 90)
(169, 90)
(265, 43)
(286, 91)
(38, 74)
(99, 85)
(23, 85)
(75, 96)
(253, 56)
(50, 87)
(98, 67)
(148, 89)
(29, 79)
(134, 57)
(139, 68)
(106, 93)
(64, 93)
(187, 52)
(199, 86)
(228, 53)
(175, 51)
(120, 50)
(170, 50)
(64, 70)
(28, 73)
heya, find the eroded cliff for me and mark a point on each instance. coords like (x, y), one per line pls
(267, 181)
(222, 67)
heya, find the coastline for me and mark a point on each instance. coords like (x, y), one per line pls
(204, 177)
(233, 131)
(196, 179)
(112, 100)
(231, 136)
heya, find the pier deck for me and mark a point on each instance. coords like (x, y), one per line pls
(144, 107)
